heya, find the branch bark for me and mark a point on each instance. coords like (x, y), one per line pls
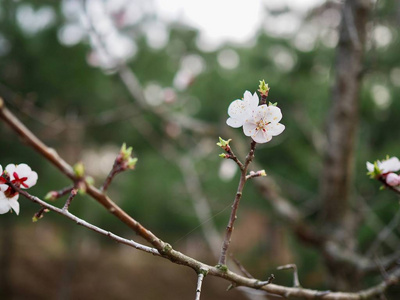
(342, 125)
(343, 118)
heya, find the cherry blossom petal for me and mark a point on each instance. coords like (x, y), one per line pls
(14, 204)
(240, 110)
(3, 187)
(31, 180)
(260, 112)
(251, 101)
(274, 114)
(1, 170)
(390, 165)
(370, 167)
(235, 123)
(4, 205)
(261, 137)
(237, 108)
(23, 170)
(249, 128)
(10, 168)
(393, 179)
(275, 129)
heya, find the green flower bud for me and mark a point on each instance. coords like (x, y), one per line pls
(224, 144)
(79, 170)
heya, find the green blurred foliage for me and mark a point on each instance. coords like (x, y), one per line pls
(38, 70)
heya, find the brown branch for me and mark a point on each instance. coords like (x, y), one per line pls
(167, 251)
(343, 118)
(52, 156)
(64, 212)
(342, 124)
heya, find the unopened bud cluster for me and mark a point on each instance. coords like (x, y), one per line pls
(125, 159)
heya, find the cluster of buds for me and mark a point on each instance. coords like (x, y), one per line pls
(224, 144)
(20, 176)
(385, 171)
(125, 159)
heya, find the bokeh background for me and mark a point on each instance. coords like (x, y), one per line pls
(87, 76)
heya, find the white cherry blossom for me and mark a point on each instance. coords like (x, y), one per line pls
(264, 123)
(21, 175)
(389, 165)
(240, 110)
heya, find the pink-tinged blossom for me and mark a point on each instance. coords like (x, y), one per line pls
(240, 110)
(21, 175)
(393, 179)
(390, 165)
(264, 123)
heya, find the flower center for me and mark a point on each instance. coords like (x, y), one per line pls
(261, 125)
(19, 181)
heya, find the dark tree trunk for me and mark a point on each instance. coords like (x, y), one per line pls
(341, 130)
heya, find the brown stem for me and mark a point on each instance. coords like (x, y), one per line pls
(233, 157)
(72, 195)
(235, 205)
(114, 171)
(343, 117)
(54, 195)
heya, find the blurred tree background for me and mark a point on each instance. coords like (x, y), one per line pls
(62, 72)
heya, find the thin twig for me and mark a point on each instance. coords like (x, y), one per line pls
(114, 171)
(384, 233)
(72, 195)
(235, 205)
(200, 278)
(296, 282)
(67, 214)
(54, 195)
(268, 281)
(241, 267)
